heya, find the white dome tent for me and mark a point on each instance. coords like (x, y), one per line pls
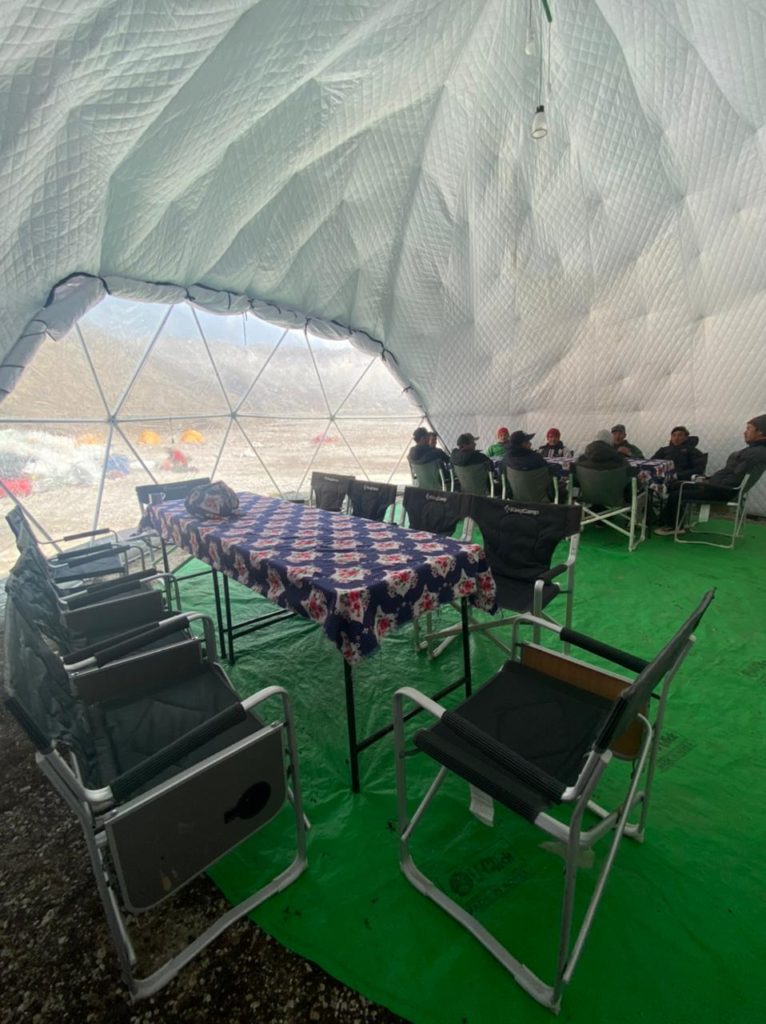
(371, 168)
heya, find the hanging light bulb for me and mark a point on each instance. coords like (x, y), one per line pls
(539, 127)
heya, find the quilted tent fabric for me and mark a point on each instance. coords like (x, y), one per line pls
(370, 166)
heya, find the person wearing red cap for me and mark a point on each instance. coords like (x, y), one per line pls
(554, 446)
(500, 447)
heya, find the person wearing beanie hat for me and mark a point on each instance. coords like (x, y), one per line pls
(554, 446)
(721, 486)
(500, 447)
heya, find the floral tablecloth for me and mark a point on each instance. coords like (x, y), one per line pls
(356, 578)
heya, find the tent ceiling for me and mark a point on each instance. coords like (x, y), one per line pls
(370, 163)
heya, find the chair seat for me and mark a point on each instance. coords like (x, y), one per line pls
(518, 595)
(550, 724)
(127, 731)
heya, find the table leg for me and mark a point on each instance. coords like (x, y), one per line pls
(353, 748)
(229, 626)
(466, 645)
(218, 617)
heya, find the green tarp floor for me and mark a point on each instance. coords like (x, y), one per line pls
(679, 935)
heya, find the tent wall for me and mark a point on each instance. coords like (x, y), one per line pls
(371, 165)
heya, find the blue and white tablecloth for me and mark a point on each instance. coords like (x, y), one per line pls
(356, 578)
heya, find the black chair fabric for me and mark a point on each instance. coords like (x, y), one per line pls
(520, 538)
(547, 723)
(435, 511)
(370, 500)
(330, 490)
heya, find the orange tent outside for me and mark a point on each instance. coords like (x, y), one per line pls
(89, 439)
(149, 437)
(192, 436)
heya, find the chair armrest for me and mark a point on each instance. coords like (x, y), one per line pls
(609, 653)
(113, 651)
(553, 572)
(91, 595)
(86, 533)
(127, 783)
(83, 557)
(89, 552)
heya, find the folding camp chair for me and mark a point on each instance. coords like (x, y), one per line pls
(475, 479)
(532, 485)
(88, 615)
(329, 491)
(602, 496)
(164, 767)
(435, 512)
(370, 500)
(432, 476)
(687, 525)
(93, 561)
(541, 733)
(520, 541)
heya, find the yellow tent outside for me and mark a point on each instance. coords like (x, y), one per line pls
(192, 436)
(150, 437)
(89, 439)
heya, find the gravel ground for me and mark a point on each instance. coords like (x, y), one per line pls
(56, 958)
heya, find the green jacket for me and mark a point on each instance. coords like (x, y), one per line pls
(497, 450)
(635, 451)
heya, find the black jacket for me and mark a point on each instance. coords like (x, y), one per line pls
(552, 450)
(750, 459)
(686, 457)
(600, 455)
(420, 454)
(466, 458)
(523, 458)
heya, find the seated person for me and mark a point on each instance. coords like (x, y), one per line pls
(466, 455)
(722, 484)
(554, 446)
(683, 453)
(520, 454)
(601, 454)
(623, 445)
(433, 437)
(422, 451)
(500, 447)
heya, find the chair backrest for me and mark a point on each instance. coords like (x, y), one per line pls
(329, 490)
(602, 486)
(636, 696)
(474, 479)
(533, 485)
(435, 511)
(519, 537)
(31, 583)
(370, 500)
(37, 686)
(171, 490)
(427, 475)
